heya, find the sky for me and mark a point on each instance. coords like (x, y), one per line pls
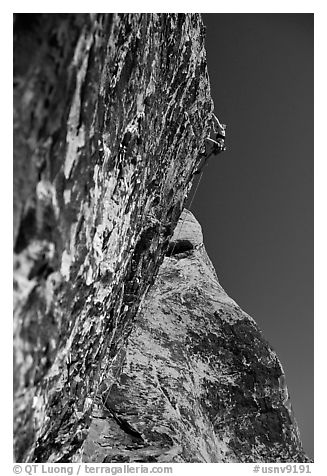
(255, 201)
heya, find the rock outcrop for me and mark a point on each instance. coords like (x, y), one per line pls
(197, 381)
(111, 113)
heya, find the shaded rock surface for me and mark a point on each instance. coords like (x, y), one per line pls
(197, 381)
(110, 115)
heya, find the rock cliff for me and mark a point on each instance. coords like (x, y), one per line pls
(197, 381)
(111, 113)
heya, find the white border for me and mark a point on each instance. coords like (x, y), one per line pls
(317, 7)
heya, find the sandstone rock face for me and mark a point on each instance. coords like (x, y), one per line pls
(110, 114)
(197, 382)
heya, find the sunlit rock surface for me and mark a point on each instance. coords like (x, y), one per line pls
(197, 382)
(110, 114)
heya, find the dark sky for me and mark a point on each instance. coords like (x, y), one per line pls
(255, 201)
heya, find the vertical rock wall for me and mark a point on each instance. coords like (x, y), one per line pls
(110, 113)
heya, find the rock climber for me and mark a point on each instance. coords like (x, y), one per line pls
(217, 144)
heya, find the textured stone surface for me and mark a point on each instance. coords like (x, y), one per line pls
(197, 381)
(110, 114)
